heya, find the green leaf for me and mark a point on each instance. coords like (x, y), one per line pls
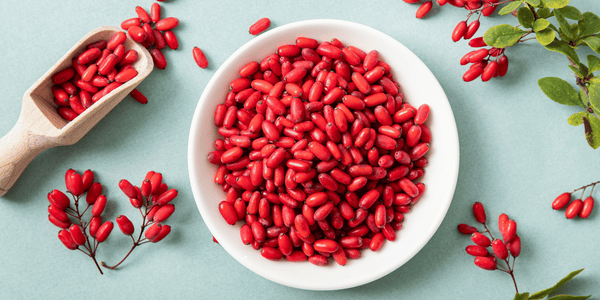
(592, 132)
(558, 90)
(564, 48)
(533, 2)
(555, 3)
(576, 119)
(545, 36)
(593, 63)
(569, 297)
(583, 99)
(589, 25)
(510, 7)
(540, 24)
(564, 25)
(548, 291)
(571, 12)
(594, 95)
(525, 17)
(502, 36)
(593, 42)
(544, 12)
(523, 296)
(577, 72)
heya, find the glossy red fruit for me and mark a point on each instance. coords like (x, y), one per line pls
(259, 26)
(510, 231)
(574, 209)
(138, 96)
(200, 58)
(137, 34)
(472, 74)
(125, 225)
(164, 212)
(561, 201)
(466, 229)
(153, 231)
(502, 65)
(77, 234)
(588, 206)
(164, 231)
(93, 226)
(481, 240)
(99, 206)
(59, 199)
(459, 31)
(65, 237)
(424, 9)
(477, 42)
(171, 39)
(104, 231)
(489, 71)
(128, 189)
(159, 59)
(472, 29)
(75, 184)
(228, 212)
(485, 262)
(514, 246)
(87, 179)
(500, 249)
(167, 24)
(479, 212)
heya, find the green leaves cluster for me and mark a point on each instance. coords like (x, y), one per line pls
(575, 29)
(547, 292)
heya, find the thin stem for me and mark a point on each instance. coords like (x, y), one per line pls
(585, 186)
(113, 267)
(514, 281)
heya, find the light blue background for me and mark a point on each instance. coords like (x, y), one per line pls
(517, 154)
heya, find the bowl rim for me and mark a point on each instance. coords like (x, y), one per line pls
(194, 132)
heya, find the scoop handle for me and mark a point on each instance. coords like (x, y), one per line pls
(17, 148)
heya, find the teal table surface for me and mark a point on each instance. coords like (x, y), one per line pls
(517, 153)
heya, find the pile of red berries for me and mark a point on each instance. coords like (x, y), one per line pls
(153, 32)
(320, 155)
(100, 69)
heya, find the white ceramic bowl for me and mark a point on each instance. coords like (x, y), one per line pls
(418, 85)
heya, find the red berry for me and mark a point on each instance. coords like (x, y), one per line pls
(57, 223)
(93, 226)
(75, 184)
(466, 229)
(588, 206)
(164, 231)
(502, 65)
(200, 58)
(502, 219)
(459, 31)
(77, 234)
(479, 212)
(441, 2)
(488, 10)
(259, 26)
(561, 201)
(125, 225)
(166, 197)
(128, 188)
(59, 199)
(88, 179)
(510, 231)
(65, 237)
(167, 24)
(424, 9)
(476, 250)
(489, 71)
(477, 42)
(472, 29)
(480, 239)
(93, 193)
(164, 212)
(485, 263)
(574, 209)
(99, 206)
(472, 74)
(153, 231)
(514, 246)
(499, 249)
(104, 231)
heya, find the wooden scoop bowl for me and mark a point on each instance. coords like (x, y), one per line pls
(39, 126)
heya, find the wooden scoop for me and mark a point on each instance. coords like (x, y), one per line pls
(39, 126)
